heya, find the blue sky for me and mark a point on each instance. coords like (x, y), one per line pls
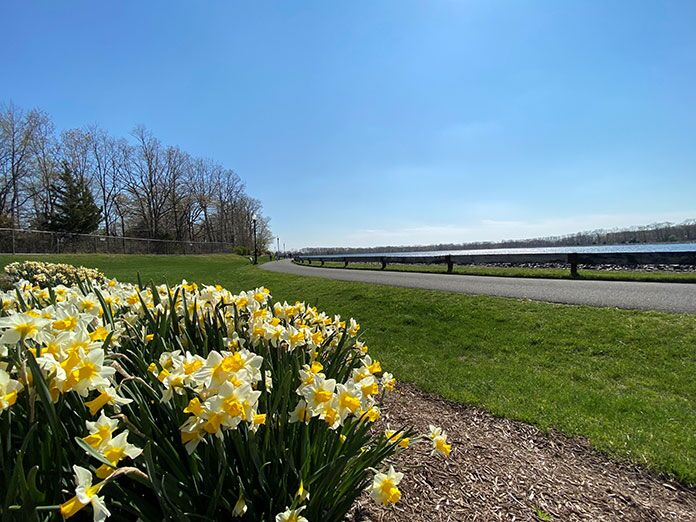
(390, 122)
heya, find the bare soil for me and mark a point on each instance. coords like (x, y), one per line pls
(507, 470)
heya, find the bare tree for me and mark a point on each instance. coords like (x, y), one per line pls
(143, 188)
(146, 183)
(110, 158)
(18, 130)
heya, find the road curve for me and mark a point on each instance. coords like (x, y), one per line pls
(669, 297)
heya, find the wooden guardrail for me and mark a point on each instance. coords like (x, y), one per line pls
(573, 259)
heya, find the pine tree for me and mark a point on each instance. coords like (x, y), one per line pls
(75, 210)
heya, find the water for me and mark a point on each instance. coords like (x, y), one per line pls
(596, 249)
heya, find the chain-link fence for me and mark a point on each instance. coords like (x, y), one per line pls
(16, 241)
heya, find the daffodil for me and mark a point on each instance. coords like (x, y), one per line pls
(384, 490)
(114, 451)
(100, 431)
(85, 493)
(20, 327)
(388, 381)
(348, 399)
(397, 437)
(107, 395)
(300, 413)
(319, 393)
(240, 507)
(9, 388)
(291, 515)
(439, 440)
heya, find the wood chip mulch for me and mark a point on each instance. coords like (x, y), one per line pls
(508, 470)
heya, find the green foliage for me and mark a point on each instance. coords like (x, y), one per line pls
(623, 379)
(241, 250)
(267, 463)
(74, 209)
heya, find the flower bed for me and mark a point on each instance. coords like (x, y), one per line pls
(46, 275)
(188, 402)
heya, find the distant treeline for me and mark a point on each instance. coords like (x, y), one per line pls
(654, 233)
(85, 180)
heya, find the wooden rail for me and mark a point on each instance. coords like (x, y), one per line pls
(570, 258)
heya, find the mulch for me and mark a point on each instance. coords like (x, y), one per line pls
(508, 470)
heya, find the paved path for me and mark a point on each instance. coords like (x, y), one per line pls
(671, 297)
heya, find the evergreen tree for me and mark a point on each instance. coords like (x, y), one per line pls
(75, 210)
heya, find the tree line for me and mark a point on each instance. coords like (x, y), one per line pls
(654, 233)
(85, 180)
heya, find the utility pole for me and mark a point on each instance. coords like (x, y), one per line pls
(278, 247)
(256, 252)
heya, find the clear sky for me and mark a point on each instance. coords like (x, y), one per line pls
(389, 122)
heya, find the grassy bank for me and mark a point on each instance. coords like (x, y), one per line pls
(623, 379)
(544, 273)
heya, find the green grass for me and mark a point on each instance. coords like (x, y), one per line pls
(546, 273)
(624, 379)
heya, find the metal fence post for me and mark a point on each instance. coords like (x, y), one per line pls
(14, 247)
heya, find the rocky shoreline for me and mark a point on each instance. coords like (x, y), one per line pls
(606, 267)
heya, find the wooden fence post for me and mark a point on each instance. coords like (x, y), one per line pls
(573, 260)
(450, 265)
(384, 263)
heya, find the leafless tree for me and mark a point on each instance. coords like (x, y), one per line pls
(143, 187)
(18, 131)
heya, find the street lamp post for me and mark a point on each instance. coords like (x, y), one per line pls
(278, 248)
(256, 252)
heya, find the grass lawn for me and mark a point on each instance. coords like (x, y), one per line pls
(545, 273)
(624, 379)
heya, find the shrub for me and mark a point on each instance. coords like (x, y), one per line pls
(187, 403)
(241, 251)
(47, 275)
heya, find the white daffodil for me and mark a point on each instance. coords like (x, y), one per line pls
(319, 393)
(439, 440)
(100, 431)
(291, 515)
(221, 366)
(107, 395)
(115, 450)
(89, 373)
(235, 404)
(300, 413)
(9, 388)
(85, 493)
(384, 490)
(20, 327)
(348, 399)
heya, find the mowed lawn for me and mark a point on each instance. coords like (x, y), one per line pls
(626, 380)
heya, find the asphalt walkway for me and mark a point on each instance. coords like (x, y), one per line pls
(670, 297)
